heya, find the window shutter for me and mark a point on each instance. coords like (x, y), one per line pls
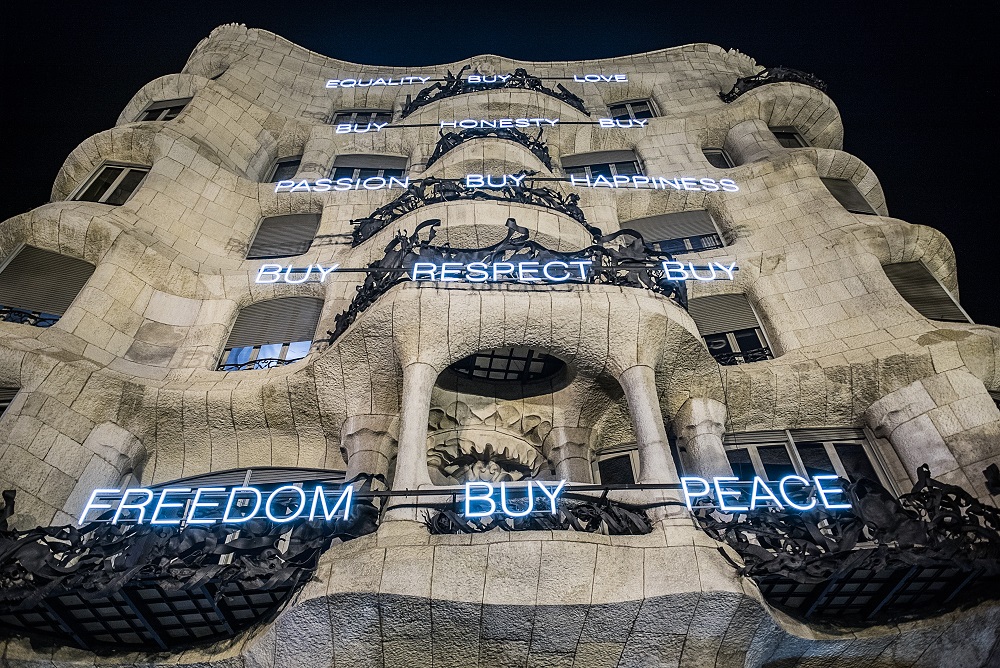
(281, 236)
(598, 158)
(673, 226)
(755, 438)
(265, 476)
(917, 285)
(276, 321)
(828, 434)
(40, 280)
(370, 162)
(848, 195)
(715, 314)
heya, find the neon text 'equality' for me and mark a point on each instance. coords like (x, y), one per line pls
(732, 495)
(380, 81)
(217, 505)
(479, 500)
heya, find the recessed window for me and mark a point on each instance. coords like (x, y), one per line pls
(284, 236)
(619, 466)
(112, 183)
(285, 169)
(362, 116)
(788, 136)
(602, 163)
(718, 157)
(164, 110)
(924, 292)
(522, 365)
(6, 397)
(271, 334)
(678, 233)
(772, 455)
(368, 166)
(634, 109)
(848, 195)
(37, 286)
(730, 328)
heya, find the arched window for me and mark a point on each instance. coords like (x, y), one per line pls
(848, 195)
(602, 163)
(922, 291)
(284, 236)
(111, 183)
(368, 166)
(271, 333)
(730, 328)
(164, 110)
(37, 286)
(678, 233)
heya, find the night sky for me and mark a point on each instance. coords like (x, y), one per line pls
(915, 85)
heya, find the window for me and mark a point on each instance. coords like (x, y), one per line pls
(362, 116)
(112, 183)
(602, 163)
(165, 110)
(285, 169)
(37, 286)
(788, 137)
(634, 109)
(6, 397)
(848, 195)
(524, 365)
(284, 236)
(718, 157)
(368, 166)
(616, 466)
(772, 455)
(678, 233)
(272, 333)
(922, 291)
(730, 329)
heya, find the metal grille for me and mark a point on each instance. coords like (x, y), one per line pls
(42, 282)
(921, 290)
(848, 195)
(715, 314)
(284, 236)
(509, 364)
(276, 321)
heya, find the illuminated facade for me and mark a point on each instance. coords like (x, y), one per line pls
(281, 271)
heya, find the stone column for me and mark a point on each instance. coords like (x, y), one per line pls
(411, 454)
(655, 464)
(569, 449)
(368, 443)
(699, 425)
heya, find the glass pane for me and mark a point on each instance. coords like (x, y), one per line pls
(343, 173)
(343, 118)
(641, 110)
(297, 350)
(718, 158)
(100, 184)
(777, 463)
(398, 173)
(576, 171)
(600, 170)
(150, 115)
(286, 170)
(127, 186)
(855, 461)
(742, 466)
(619, 112)
(616, 470)
(382, 117)
(718, 344)
(748, 340)
(814, 457)
(239, 355)
(367, 173)
(789, 139)
(270, 351)
(673, 246)
(626, 168)
(705, 242)
(172, 113)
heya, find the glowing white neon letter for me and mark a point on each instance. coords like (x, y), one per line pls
(274, 495)
(674, 270)
(758, 483)
(784, 493)
(229, 506)
(686, 483)
(823, 491)
(508, 511)
(140, 506)
(553, 494)
(721, 494)
(549, 276)
(161, 504)
(481, 498)
(423, 268)
(319, 496)
(197, 503)
(93, 505)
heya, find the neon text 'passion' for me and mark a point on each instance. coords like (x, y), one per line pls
(342, 184)
(734, 495)
(479, 501)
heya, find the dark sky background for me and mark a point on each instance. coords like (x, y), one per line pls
(915, 83)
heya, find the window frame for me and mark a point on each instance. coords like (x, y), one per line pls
(728, 159)
(356, 171)
(628, 108)
(280, 360)
(276, 165)
(734, 344)
(574, 171)
(372, 113)
(126, 167)
(631, 449)
(164, 106)
(789, 130)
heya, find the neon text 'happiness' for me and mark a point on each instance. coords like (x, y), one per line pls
(656, 183)
(479, 501)
(734, 495)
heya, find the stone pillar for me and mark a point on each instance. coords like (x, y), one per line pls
(368, 443)
(751, 141)
(699, 425)
(569, 449)
(655, 463)
(411, 453)
(947, 421)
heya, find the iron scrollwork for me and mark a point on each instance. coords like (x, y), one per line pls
(433, 191)
(931, 549)
(25, 317)
(452, 140)
(621, 258)
(771, 75)
(456, 85)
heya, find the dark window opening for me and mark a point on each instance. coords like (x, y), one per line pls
(362, 116)
(6, 397)
(624, 111)
(165, 110)
(271, 333)
(602, 163)
(284, 236)
(616, 469)
(718, 157)
(923, 292)
(37, 286)
(848, 195)
(362, 173)
(730, 328)
(522, 365)
(360, 167)
(789, 137)
(285, 169)
(112, 184)
(678, 233)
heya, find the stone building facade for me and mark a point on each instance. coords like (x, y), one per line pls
(143, 341)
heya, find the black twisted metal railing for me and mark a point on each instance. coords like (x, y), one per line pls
(433, 191)
(253, 365)
(452, 140)
(743, 356)
(25, 317)
(886, 559)
(456, 85)
(771, 75)
(621, 258)
(125, 586)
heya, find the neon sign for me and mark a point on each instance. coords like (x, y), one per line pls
(342, 184)
(479, 501)
(731, 494)
(273, 273)
(217, 505)
(622, 123)
(556, 271)
(355, 128)
(380, 81)
(656, 183)
(470, 123)
(600, 78)
(675, 271)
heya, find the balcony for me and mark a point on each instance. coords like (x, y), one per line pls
(25, 317)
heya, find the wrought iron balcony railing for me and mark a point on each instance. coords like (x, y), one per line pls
(743, 356)
(456, 85)
(253, 365)
(769, 76)
(26, 317)
(452, 140)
